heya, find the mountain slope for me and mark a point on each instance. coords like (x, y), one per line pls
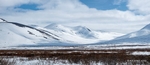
(80, 34)
(139, 37)
(84, 32)
(68, 34)
(16, 34)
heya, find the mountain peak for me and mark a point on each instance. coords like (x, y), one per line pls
(54, 25)
(3, 20)
(82, 28)
(146, 27)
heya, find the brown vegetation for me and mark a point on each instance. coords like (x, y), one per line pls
(86, 57)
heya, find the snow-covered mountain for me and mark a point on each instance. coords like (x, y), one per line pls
(84, 32)
(81, 34)
(16, 34)
(12, 34)
(3, 20)
(101, 35)
(138, 37)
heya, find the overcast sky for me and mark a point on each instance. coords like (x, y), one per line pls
(123, 16)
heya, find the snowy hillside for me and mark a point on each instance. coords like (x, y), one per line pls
(16, 34)
(84, 32)
(144, 31)
(13, 34)
(81, 34)
(139, 37)
(68, 34)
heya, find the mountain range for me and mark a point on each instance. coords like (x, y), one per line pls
(140, 37)
(17, 34)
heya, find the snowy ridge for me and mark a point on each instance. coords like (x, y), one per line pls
(84, 32)
(3, 20)
(68, 34)
(16, 34)
(139, 37)
(80, 34)
(59, 28)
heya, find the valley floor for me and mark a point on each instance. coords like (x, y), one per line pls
(139, 55)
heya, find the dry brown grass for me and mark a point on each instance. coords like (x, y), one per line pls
(86, 57)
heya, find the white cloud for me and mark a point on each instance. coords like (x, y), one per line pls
(11, 3)
(73, 13)
(118, 2)
(63, 5)
(139, 6)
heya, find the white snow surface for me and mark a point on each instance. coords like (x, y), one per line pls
(141, 53)
(80, 34)
(12, 35)
(2, 20)
(16, 34)
(145, 31)
(141, 36)
(82, 47)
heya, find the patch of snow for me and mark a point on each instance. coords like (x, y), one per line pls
(140, 53)
(81, 47)
(107, 35)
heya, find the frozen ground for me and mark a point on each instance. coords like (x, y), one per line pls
(91, 54)
(25, 61)
(141, 53)
(84, 47)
